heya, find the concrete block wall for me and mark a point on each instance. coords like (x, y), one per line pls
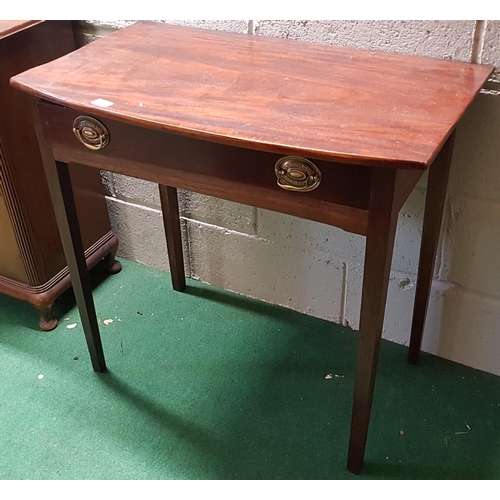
(317, 269)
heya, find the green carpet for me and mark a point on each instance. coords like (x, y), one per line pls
(207, 384)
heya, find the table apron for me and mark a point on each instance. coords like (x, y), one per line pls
(237, 174)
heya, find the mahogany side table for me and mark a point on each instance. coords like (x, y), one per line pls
(331, 134)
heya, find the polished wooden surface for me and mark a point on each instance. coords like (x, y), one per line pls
(8, 28)
(173, 233)
(66, 214)
(378, 255)
(265, 93)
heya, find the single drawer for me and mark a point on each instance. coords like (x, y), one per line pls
(336, 182)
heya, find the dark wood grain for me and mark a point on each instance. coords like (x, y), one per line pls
(378, 254)
(433, 215)
(63, 203)
(172, 224)
(334, 103)
(67, 219)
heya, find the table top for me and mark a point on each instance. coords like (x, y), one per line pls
(286, 96)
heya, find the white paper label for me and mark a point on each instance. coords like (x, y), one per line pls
(102, 103)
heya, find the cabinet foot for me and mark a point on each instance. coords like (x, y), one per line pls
(47, 321)
(113, 266)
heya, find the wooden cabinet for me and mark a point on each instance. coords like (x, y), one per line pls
(32, 262)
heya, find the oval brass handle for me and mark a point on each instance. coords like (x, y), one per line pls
(91, 132)
(297, 174)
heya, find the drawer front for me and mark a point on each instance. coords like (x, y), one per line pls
(337, 183)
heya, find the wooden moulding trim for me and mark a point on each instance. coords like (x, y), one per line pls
(9, 28)
(61, 281)
(18, 220)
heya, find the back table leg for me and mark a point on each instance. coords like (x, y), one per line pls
(382, 221)
(171, 221)
(434, 204)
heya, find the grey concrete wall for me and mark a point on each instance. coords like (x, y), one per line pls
(317, 269)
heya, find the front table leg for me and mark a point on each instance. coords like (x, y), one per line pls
(382, 221)
(69, 229)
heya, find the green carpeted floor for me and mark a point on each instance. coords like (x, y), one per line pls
(210, 385)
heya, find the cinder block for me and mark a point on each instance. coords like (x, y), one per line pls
(141, 234)
(443, 39)
(237, 26)
(476, 155)
(399, 308)
(102, 28)
(191, 205)
(307, 235)
(303, 280)
(409, 234)
(136, 190)
(472, 245)
(338, 244)
(108, 25)
(490, 47)
(216, 211)
(93, 29)
(82, 38)
(108, 183)
(353, 287)
(463, 326)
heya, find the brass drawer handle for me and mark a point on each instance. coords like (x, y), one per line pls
(91, 132)
(297, 174)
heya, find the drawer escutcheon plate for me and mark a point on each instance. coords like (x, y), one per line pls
(295, 173)
(91, 132)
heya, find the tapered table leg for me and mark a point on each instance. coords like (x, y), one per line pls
(382, 221)
(171, 221)
(67, 220)
(434, 205)
(61, 193)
